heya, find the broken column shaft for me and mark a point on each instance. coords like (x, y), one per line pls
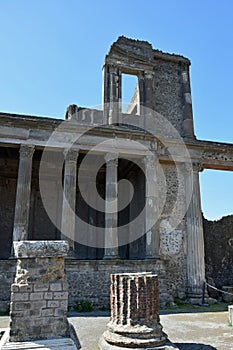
(134, 319)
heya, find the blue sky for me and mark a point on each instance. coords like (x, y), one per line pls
(52, 53)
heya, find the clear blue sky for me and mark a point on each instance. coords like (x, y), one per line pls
(52, 53)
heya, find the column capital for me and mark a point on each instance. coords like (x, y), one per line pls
(112, 68)
(71, 155)
(193, 167)
(26, 151)
(111, 158)
(149, 74)
(197, 167)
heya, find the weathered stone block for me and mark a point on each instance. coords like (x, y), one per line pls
(48, 295)
(14, 287)
(36, 296)
(25, 288)
(20, 296)
(33, 249)
(41, 287)
(47, 312)
(60, 295)
(38, 304)
(56, 287)
(35, 313)
(59, 312)
(21, 306)
(53, 303)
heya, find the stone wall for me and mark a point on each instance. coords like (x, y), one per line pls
(168, 93)
(90, 280)
(218, 237)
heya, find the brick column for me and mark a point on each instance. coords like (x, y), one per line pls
(69, 199)
(152, 227)
(134, 321)
(111, 212)
(195, 238)
(39, 297)
(23, 194)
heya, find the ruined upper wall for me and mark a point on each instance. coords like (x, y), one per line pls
(163, 83)
(142, 50)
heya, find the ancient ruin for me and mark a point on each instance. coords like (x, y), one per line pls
(134, 319)
(151, 145)
(39, 297)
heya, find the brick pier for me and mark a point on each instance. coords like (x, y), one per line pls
(39, 295)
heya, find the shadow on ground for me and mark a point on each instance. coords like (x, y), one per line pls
(194, 346)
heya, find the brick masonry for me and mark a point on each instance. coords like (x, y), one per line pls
(134, 319)
(39, 296)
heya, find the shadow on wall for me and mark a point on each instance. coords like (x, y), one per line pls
(194, 346)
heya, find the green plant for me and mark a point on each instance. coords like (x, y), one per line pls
(5, 313)
(84, 305)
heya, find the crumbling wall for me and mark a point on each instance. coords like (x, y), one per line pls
(168, 93)
(218, 236)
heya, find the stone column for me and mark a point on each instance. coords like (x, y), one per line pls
(111, 208)
(188, 128)
(69, 199)
(152, 206)
(111, 94)
(23, 193)
(148, 89)
(195, 238)
(134, 321)
(39, 295)
(91, 249)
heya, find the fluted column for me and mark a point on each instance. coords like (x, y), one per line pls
(135, 319)
(152, 229)
(23, 193)
(195, 238)
(69, 199)
(111, 208)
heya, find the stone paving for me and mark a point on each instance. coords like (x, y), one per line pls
(189, 331)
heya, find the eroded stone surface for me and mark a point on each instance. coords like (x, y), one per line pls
(32, 249)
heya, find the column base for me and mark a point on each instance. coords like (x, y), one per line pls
(106, 346)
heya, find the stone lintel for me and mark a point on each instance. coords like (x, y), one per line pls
(40, 249)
